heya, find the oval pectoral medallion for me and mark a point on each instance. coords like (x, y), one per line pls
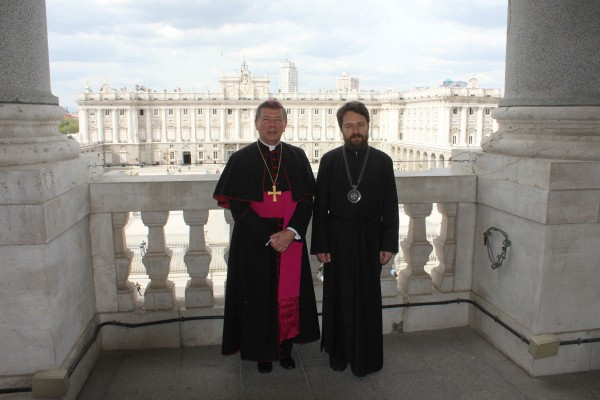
(354, 196)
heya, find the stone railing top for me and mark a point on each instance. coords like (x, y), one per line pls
(194, 192)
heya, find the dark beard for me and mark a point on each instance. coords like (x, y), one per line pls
(356, 146)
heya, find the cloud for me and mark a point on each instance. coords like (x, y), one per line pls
(192, 43)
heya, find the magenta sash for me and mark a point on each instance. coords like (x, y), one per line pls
(290, 262)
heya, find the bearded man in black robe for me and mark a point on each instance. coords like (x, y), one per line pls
(269, 298)
(355, 232)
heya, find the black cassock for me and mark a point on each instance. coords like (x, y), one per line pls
(251, 298)
(354, 234)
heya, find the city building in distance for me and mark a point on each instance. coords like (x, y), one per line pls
(418, 128)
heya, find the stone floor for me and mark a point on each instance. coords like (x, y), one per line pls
(443, 364)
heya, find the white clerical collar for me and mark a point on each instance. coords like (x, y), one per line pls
(271, 148)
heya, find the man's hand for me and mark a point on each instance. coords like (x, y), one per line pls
(384, 257)
(325, 258)
(281, 240)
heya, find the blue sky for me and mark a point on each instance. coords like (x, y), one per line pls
(190, 44)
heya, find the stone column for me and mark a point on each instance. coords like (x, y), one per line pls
(194, 134)
(47, 294)
(551, 106)
(462, 137)
(223, 126)
(163, 126)
(116, 134)
(84, 133)
(237, 120)
(197, 260)
(100, 122)
(208, 136)
(178, 138)
(29, 112)
(479, 134)
(537, 181)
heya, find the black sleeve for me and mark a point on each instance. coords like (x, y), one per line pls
(302, 215)
(255, 229)
(319, 242)
(389, 215)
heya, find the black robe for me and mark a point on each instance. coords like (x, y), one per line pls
(354, 234)
(251, 303)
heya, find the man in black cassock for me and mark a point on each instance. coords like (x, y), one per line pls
(355, 232)
(269, 298)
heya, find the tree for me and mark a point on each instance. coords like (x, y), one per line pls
(68, 126)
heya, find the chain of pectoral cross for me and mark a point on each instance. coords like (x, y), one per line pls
(274, 192)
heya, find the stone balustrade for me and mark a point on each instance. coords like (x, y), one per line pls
(113, 198)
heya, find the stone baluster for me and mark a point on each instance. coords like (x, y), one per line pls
(229, 220)
(126, 294)
(220, 255)
(445, 248)
(314, 267)
(198, 292)
(389, 286)
(160, 292)
(217, 262)
(416, 248)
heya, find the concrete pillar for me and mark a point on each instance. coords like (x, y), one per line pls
(537, 181)
(100, 119)
(551, 107)
(29, 112)
(46, 289)
(84, 133)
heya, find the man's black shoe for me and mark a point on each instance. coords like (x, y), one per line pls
(337, 366)
(287, 362)
(264, 367)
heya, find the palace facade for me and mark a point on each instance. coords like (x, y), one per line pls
(418, 128)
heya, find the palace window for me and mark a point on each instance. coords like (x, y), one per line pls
(185, 111)
(302, 111)
(121, 113)
(215, 155)
(106, 113)
(156, 112)
(214, 111)
(171, 112)
(199, 111)
(229, 111)
(488, 111)
(92, 113)
(454, 110)
(200, 155)
(316, 111)
(141, 113)
(330, 111)
(471, 111)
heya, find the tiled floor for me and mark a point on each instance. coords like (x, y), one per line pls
(444, 364)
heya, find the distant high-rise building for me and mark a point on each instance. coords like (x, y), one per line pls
(346, 82)
(288, 77)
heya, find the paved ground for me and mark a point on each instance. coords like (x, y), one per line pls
(444, 364)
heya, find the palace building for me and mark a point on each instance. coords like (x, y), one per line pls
(419, 128)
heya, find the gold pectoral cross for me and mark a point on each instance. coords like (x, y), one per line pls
(274, 193)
